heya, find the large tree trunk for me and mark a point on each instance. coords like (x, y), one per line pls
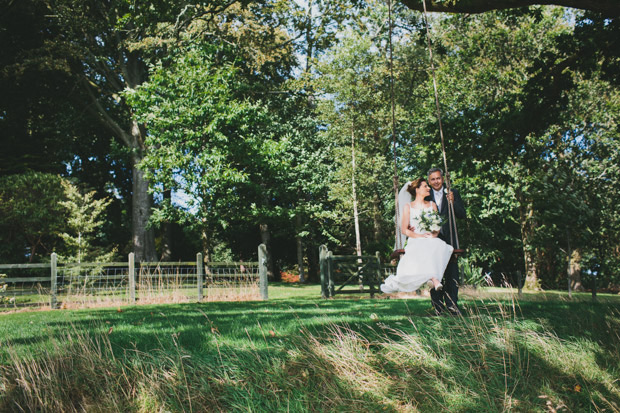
(574, 270)
(609, 8)
(526, 212)
(133, 74)
(141, 204)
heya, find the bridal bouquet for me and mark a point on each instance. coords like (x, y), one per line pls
(430, 221)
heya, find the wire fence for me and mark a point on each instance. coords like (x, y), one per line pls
(74, 285)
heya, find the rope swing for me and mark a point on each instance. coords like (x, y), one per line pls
(454, 239)
(399, 245)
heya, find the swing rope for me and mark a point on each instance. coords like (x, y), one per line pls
(454, 239)
(395, 180)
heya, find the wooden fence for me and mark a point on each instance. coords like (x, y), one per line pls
(351, 274)
(60, 285)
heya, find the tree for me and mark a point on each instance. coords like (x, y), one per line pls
(31, 216)
(355, 108)
(107, 47)
(84, 221)
(34, 109)
(522, 119)
(198, 132)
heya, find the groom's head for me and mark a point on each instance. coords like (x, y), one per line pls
(435, 178)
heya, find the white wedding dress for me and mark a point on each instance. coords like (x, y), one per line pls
(424, 258)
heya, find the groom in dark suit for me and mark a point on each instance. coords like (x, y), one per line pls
(446, 298)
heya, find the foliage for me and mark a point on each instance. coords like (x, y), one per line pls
(31, 216)
(520, 137)
(353, 80)
(243, 115)
(471, 274)
(84, 222)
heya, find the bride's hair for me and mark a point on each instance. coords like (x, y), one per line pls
(415, 184)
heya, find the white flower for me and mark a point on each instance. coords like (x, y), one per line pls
(430, 221)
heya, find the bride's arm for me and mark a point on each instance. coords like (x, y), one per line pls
(404, 224)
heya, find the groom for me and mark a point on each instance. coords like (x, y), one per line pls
(446, 298)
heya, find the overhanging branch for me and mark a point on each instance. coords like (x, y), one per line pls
(610, 8)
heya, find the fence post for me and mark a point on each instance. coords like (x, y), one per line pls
(132, 278)
(262, 271)
(323, 270)
(199, 274)
(520, 284)
(54, 281)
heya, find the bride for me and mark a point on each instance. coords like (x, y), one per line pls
(426, 256)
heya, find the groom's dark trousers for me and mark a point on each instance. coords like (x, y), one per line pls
(448, 296)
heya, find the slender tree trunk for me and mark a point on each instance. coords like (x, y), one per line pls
(312, 252)
(206, 242)
(265, 237)
(376, 217)
(33, 250)
(300, 249)
(166, 245)
(309, 36)
(358, 241)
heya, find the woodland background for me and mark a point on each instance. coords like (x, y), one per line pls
(172, 127)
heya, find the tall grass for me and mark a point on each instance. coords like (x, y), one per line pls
(494, 358)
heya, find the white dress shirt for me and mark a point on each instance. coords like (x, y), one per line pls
(438, 198)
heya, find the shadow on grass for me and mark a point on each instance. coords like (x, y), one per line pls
(488, 360)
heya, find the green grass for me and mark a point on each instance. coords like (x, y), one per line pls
(297, 352)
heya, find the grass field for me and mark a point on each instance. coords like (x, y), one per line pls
(297, 352)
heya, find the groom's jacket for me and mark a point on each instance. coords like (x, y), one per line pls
(459, 212)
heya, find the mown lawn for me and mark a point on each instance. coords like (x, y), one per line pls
(297, 352)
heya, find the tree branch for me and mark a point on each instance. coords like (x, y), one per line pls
(99, 111)
(609, 8)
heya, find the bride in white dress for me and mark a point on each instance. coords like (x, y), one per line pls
(426, 256)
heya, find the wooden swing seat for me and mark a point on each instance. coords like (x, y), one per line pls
(400, 252)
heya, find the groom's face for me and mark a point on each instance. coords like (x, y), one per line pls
(436, 180)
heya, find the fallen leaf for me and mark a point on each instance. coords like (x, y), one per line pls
(272, 333)
(119, 310)
(110, 330)
(577, 388)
